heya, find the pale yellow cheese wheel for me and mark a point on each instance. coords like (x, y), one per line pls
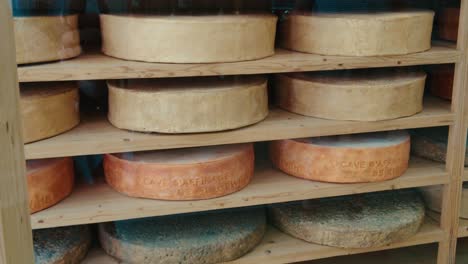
(48, 109)
(189, 39)
(187, 105)
(46, 38)
(433, 198)
(361, 95)
(358, 34)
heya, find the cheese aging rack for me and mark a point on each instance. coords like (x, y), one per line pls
(95, 135)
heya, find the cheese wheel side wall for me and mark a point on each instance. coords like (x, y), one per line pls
(180, 182)
(448, 23)
(433, 198)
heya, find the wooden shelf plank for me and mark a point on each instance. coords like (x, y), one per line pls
(95, 135)
(463, 228)
(99, 203)
(277, 248)
(94, 65)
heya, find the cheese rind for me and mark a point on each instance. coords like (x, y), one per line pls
(356, 158)
(210, 237)
(360, 95)
(433, 198)
(49, 181)
(181, 174)
(188, 105)
(48, 109)
(189, 39)
(448, 20)
(358, 221)
(46, 38)
(358, 34)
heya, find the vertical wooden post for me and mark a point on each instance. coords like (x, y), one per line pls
(15, 228)
(456, 149)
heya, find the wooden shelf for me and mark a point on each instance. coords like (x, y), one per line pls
(99, 203)
(94, 65)
(95, 135)
(463, 228)
(278, 247)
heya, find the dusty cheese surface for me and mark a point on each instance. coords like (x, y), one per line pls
(433, 198)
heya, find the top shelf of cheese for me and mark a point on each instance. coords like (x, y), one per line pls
(97, 66)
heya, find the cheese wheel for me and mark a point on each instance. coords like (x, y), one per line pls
(49, 181)
(48, 109)
(61, 245)
(210, 237)
(189, 39)
(440, 80)
(358, 34)
(358, 221)
(188, 105)
(181, 174)
(360, 95)
(370, 157)
(448, 23)
(46, 38)
(433, 198)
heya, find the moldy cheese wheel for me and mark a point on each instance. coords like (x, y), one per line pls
(49, 181)
(433, 198)
(361, 95)
(181, 174)
(187, 105)
(189, 39)
(358, 34)
(357, 221)
(48, 109)
(370, 157)
(61, 245)
(448, 23)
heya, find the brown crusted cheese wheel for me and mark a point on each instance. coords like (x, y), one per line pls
(355, 221)
(188, 105)
(440, 80)
(181, 174)
(433, 198)
(369, 157)
(358, 34)
(46, 38)
(448, 23)
(49, 181)
(48, 109)
(361, 95)
(189, 39)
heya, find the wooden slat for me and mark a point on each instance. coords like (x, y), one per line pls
(94, 65)
(463, 228)
(95, 135)
(277, 248)
(100, 203)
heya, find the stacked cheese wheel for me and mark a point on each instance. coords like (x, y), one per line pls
(181, 174)
(186, 105)
(210, 237)
(433, 198)
(367, 157)
(49, 181)
(361, 95)
(359, 221)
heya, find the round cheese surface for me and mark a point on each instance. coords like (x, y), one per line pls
(354, 158)
(189, 39)
(181, 174)
(210, 237)
(433, 198)
(48, 109)
(361, 95)
(358, 34)
(49, 181)
(448, 23)
(61, 245)
(188, 105)
(46, 38)
(359, 221)
(440, 80)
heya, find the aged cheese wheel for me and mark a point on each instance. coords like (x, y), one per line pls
(46, 38)
(358, 34)
(431, 143)
(189, 39)
(361, 95)
(448, 23)
(210, 237)
(358, 221)
(181, 174)
(367, 157)
(433, 198)
(61, 245)
(48, 109)
(440, 80)
(188, 105)
(49, 182)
